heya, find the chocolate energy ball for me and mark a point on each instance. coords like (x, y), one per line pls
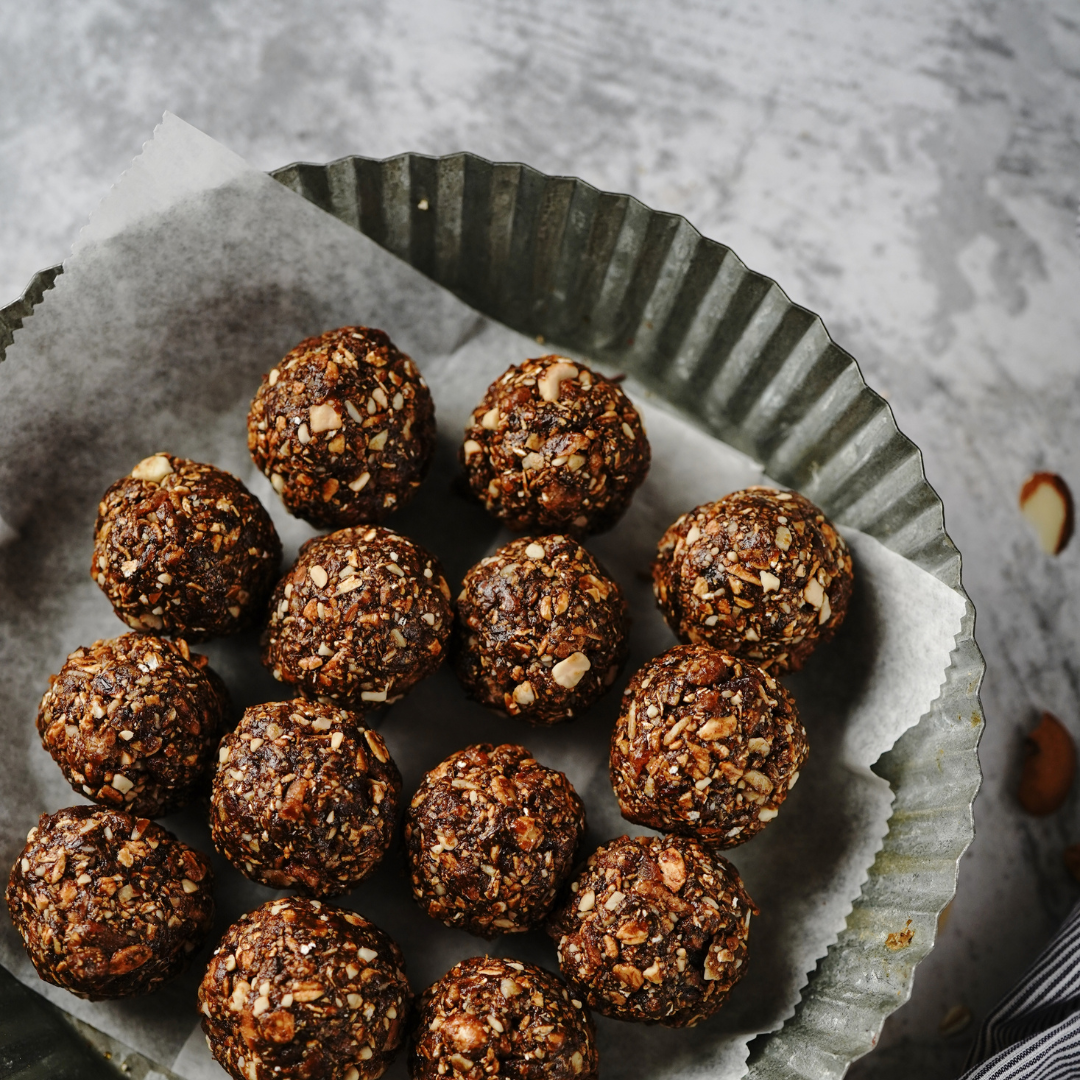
(362, 617)
(541, 630)
(133, 722)
(344, 427)
(305, 796)
(760, 573)
(301, 990)
(555, 446)
(654, 930)
(491, 1016)
(707, 746)
(184, 548)
(108, 904)
(491, 835)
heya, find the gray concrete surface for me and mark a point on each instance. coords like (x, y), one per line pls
(909, 171)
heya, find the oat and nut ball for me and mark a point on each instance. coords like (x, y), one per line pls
(491, 835)
(344, 427)
(109, 904)
(133, 722)
(493, 1016)
(302, 990)
(305, 796)
(361, 618)
(555, 446)
(541, 630)
(654, 930)
(760, 573)
(706, 746)
(184, 548)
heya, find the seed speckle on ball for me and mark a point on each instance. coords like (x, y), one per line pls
(184, 548)
(761, 574)
(554, 446)
(491, 835)
(541, 630)
(302, 990)
(108, 904)
(655, 930)
(344, 427)
(493, 1015)
(706, 746)
(133, 722)
(362, 616)
(305, 796)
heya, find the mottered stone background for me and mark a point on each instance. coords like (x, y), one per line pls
(909, 171)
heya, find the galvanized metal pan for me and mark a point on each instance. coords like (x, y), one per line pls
(643, 291)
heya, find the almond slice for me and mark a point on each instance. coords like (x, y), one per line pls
(568, 673)
(1049, 769)
(1045, 500)
(323, 418)
(153, 469)
(955, 1020)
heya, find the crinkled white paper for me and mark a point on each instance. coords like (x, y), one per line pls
(195, 275)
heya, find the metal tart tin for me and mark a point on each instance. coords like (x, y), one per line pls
(645, 292)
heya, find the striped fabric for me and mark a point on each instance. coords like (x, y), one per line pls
(1034, 1032)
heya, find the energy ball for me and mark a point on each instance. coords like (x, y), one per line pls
(108, 904)
(654, 930)
(133, 722)
(555, 446)
(344, 427)
(184, 548)
(541, 630)
(301, 990)
(305, 796)
(361, 618)
(707, 746)
(493, 1016)
(761, 574)
(491, 835)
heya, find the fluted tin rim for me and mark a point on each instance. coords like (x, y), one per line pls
(603, 275)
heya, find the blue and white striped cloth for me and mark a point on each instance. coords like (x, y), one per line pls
(1034, 1032)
